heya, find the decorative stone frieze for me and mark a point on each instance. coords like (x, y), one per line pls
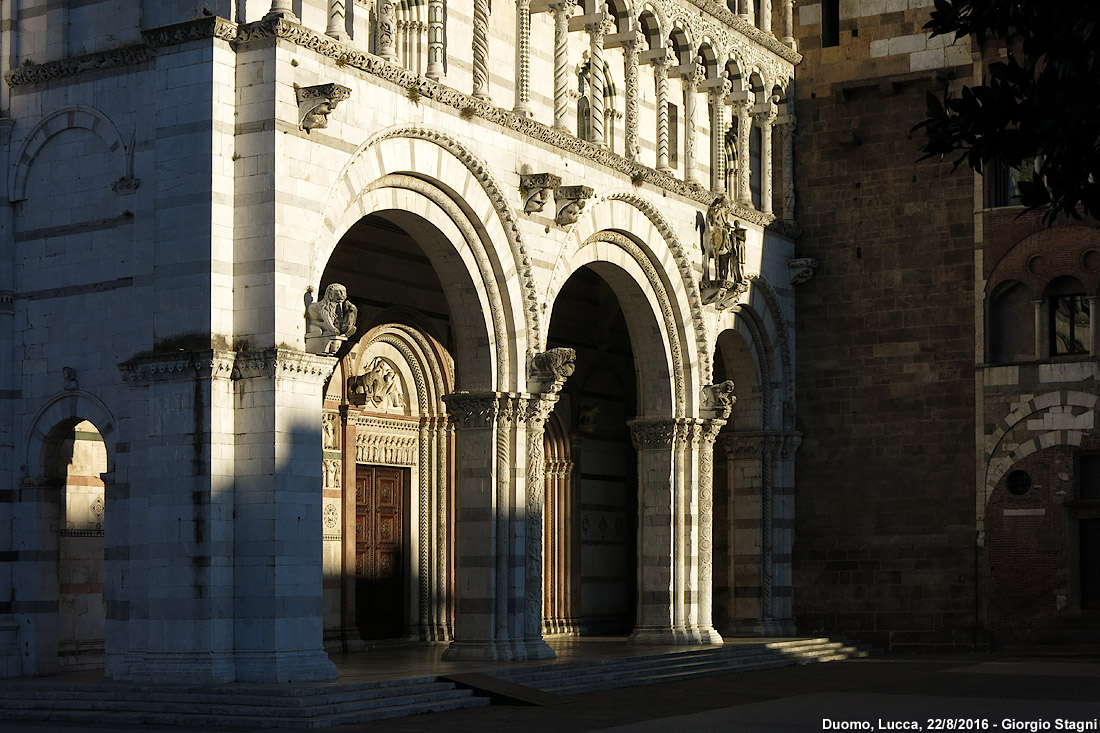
(281, 361)
(170, 366)
(330, 321)
(801, 269)
(537, 189)
(570, 202)
(192, 30)
(649, 434)
(550, 369)
(393, 450)
(316, 103)
(38, 73)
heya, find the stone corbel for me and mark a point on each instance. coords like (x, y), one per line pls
(537, 189)
(317, 102)
(570, 202)
(801, 269)
(550, 369)
(718, 400)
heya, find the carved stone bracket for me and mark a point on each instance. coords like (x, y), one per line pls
(550, 369)
(722, 293)
(801, 269)
(570, 202)
(718, 400)
(537, 190)
(317, 102)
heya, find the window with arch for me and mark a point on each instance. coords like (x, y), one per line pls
(1068, 317)
(1011, 323)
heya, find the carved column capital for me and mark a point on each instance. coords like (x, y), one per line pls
(694, 74)
(537, 189)
(570, 202)
(652, 434)
(317, 102)
(472, 409)
(550, 369)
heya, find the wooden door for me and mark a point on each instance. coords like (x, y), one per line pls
(379, 546)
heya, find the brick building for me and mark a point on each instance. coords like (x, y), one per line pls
(946, 365)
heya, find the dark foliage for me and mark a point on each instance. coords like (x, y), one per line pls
(1042, 102)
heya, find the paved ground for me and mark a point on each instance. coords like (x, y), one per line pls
(964, 692)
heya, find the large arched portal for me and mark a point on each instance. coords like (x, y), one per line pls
(592, 514)
(388, 446)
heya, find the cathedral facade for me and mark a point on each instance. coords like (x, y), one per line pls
(330, 322)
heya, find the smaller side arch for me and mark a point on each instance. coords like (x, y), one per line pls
(67, 407)
(80, 116)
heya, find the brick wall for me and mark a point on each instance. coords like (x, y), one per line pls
(885, 534)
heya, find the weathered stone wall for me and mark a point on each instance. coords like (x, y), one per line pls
(885, 540)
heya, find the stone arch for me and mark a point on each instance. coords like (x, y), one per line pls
(78, 116)
(764, 299)
(633, 216)
(66, 408)
(998, 460)
(752, 328)
(653, 22)
(628, 267)
(451, 168)
(681, 40)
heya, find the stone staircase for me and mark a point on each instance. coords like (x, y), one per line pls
(308, 706)
(590, 675)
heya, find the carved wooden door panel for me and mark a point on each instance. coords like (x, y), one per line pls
(379, 492)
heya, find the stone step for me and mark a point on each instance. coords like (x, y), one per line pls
(312, 707)
(248, 697)
(243, 721)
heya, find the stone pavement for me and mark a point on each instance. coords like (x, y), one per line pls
(1003, 693)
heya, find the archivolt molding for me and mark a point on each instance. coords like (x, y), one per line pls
(481, 172)
(486, 276)
(999, 461)
(68, 118)
(684, 263)
(69, 405)
(782, 340)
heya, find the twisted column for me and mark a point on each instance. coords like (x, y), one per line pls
(765, 120)
(387, 30)
(660, 70)
(523, 58)
(744, 122)
(787, 131)
(337, 23)
(481, 49)
(435, 40)
(691, 92)
(596, 33)
(718, 134)
(562, 10)
(630, 50)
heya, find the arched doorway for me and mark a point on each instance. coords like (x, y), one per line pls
(388, 445)
(595, 564)
(739, 467)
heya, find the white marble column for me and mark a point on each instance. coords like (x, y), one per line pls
(630, 51)
(596, 33)
(562, 10)
(660, 71)
(718, 133)
(764, 22)
(480, 46)
(787, 130)
(387, 30)
(337, 20)
(691, 78)
(705, 582)
(764, 119)
(523, 58)
(435, 68)
(1040, 347)
(744, 124)
(282, 9)
(788, 25)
